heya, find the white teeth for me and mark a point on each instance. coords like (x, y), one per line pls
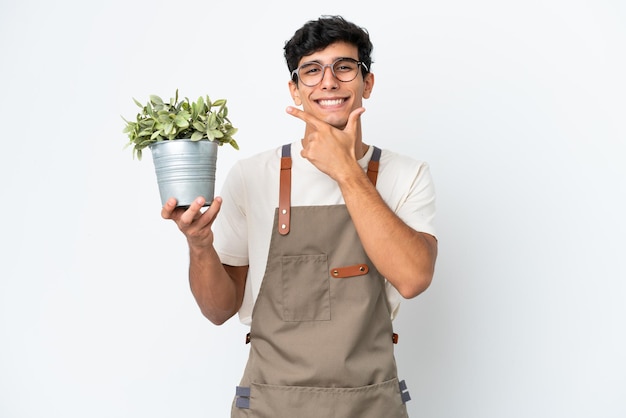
(331, 102)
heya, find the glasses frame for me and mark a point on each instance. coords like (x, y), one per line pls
(296, 72)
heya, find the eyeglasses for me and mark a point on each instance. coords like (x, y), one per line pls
(343, 69)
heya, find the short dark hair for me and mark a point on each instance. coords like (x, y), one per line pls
(316, 35)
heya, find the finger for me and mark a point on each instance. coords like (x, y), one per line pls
(203, 220)
(213, 210)
(353, 119)
(193, 211)
(302, 115)
(168, 208)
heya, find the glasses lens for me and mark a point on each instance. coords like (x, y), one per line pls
(311, 73)
(345, 70)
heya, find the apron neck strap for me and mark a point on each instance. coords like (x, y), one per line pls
(284, 199)
(372, 167)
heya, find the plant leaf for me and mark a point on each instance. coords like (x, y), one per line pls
(156, 100)
(196, 136)
(181, 121)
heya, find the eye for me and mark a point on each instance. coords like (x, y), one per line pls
(345, 66)
(309, 69)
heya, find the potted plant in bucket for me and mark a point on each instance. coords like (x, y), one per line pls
(183, 137)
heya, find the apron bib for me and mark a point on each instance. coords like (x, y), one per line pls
(321, 334)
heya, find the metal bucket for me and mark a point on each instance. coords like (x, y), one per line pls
(185, 169)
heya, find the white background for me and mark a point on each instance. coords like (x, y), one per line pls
(519, 107)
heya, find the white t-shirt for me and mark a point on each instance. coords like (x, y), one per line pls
(243, 227)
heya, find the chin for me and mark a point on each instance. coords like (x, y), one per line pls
(338, 123)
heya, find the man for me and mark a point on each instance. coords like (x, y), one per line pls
(315, 245)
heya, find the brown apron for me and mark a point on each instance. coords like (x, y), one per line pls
(321, 334)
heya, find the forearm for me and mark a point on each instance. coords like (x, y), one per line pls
(405, 257)
(215, 291)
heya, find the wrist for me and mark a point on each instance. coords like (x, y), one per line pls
(200, 250)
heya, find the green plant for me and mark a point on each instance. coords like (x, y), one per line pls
(161, 121)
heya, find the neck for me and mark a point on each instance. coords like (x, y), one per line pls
(361, 150)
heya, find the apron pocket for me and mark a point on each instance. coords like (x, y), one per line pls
(372, 401)
(306, 288)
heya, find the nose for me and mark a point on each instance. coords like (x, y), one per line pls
(331, 80)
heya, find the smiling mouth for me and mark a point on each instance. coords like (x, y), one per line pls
(331, 102)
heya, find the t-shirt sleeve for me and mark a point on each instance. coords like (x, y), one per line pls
(230, 228)
(417, 209)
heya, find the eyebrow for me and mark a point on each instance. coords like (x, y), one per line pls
(334, 59)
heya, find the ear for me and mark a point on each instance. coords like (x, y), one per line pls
(295, 93)
(368, 85)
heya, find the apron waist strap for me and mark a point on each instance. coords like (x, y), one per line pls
(394, 338)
